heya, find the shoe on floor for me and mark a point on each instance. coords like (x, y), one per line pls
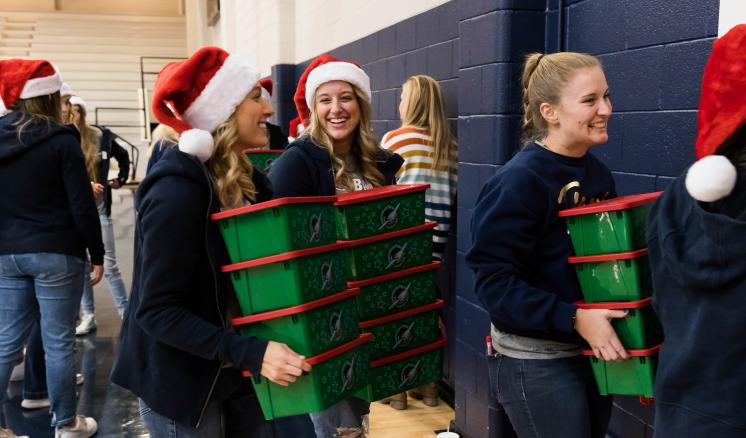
(84, 427)
(34, 403)
(17, 375)
(87, 324)
(79, 379)
(7, 433)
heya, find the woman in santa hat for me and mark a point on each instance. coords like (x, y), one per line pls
(697, 243)
(337, 153)
(49, 221)
(177, 351)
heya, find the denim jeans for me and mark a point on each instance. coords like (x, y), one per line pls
(35, 374)
(50, 284)
(111, 272)
(545, 398)
(346, 413)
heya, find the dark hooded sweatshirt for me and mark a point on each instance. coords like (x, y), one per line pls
(176, 341)
(698, 259)
(46, 200)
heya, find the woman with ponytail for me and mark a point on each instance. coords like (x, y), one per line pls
(178, 352)
(520, 249)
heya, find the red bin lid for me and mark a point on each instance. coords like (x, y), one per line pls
(284, 256)
(394, 275)
(616, 305)
(607, 257)
(391, 235)
(263, 151)
(634, 353)
(403, 314)
(409, 353)
(273, 203)
(287, 311)
(378, 193)
(612, 204)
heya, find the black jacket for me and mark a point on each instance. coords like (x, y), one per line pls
(305, 169)
(277, 139)
(175, 336)
(110, 148)
(698, 260)
(46, 200)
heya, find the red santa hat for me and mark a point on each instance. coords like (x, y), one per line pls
(266, 89)
(24, 79)
(323, 69)
(196, 95)
(722, 111)
(296, 127)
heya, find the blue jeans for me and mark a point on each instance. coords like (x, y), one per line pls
(35, 377)
(50, 284)
(346, 413)
(111, 272)
(554, 398)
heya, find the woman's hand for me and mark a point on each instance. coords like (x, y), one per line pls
(97, 272)
(282, 365)
(595, 327)
(115, 183)
(98, 190)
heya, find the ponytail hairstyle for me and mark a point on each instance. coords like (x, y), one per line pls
(543, 78)
(87, 143)
(424, 108)
(230, 171)
(364, 151)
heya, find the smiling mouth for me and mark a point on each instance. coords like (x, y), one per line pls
(599, 125)
(337, 121)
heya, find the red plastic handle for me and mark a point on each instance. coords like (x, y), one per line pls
(634, 353)
(616, 305)
(272, 314)
(403, 314)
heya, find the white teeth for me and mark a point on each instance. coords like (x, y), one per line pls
(337, 120)
(597, 125)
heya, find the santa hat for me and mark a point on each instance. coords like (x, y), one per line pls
(722, 111)
(24, 79)
(296, 127)
(196, 95)
(323, 69)
(77, 100)
(65, 90)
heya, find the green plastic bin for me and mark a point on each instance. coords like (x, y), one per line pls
(308, 329)
(640, 329)
(289, 279)
(336, 375)
(400, 372)
(614, 225)
(634, 376)
(395, 251)
(397, 291)
(263, 158)
(380, 210)
(278, 226)
(614, 277)
(404, 330)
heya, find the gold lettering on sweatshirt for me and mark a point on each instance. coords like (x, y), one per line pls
(577, 200)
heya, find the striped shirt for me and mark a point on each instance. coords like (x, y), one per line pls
(413, 144)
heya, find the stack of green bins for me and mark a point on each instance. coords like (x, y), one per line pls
(263, 158)
(390, 260)
(613, 271)
(289, 275)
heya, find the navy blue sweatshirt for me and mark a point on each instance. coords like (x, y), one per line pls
(520, 245)
(175, 337)
(698, 257)
(46, 200)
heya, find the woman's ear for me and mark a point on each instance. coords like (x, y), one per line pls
(549, 113)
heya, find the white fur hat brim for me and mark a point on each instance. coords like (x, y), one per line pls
(711, 178)
(337, 71)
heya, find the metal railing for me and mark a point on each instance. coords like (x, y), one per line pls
(144, 91)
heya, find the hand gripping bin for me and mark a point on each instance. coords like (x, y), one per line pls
(288, 279)
(380, 210)
(390, 293)
(614, 277)
(263, 158)
(401, 372)
(634, 376)
(403, 331)
(336, 375)
(308, 329)
(614, 225)
(395, 251)
(277, 226)
(640, 329)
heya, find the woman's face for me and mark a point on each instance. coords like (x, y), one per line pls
(338, 111)
(583, 113)
(65, 106)
(74, 114)
(251, 118)
(403, 103)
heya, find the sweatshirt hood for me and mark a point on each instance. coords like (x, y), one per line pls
(33, 134)
(702, 244)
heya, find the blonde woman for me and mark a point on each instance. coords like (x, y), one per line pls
(163, 137)
(430, 157)
(337, 153)
(177, 351)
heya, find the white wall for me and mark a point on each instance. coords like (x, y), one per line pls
(270, 32)
(732, 12)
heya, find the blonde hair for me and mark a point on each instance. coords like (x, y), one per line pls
(88, 144)
(543, 78)
(161, 132)
(230, 171)
(365, 147)
(37, 109)
(425, 108)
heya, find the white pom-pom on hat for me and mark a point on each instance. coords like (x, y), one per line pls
(197, 142)
(711, 178)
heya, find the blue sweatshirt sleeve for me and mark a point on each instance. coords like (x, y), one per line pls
(172, 244)
(506, 225)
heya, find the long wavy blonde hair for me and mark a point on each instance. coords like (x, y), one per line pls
(88, 144)
(425, 108)
(230, 171)
(364, 151)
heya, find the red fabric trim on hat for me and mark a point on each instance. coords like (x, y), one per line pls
(267, 84)
(15, 73)
(300, 93)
